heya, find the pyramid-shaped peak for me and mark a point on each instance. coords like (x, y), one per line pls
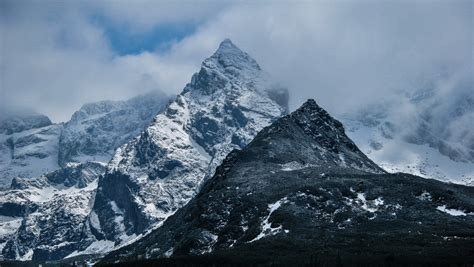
(310, 104)
(311, 108)
(227, 43)
(228, 54)
(330, 136)
(318, 123)
(228, 47)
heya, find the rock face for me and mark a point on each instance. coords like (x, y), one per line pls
(97, 129)
(223, 107)
(28, 146)
(302, 193)
(50, 211)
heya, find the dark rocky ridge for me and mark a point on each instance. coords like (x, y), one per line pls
(259, 208)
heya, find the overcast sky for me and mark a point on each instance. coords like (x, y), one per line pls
(58, 55)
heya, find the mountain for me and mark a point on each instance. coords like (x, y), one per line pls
(28, 145)
(224, 106)
(97, 129)
(425, 131)
(19, 121)
(31, 145)
(303, 193)
(45, 216)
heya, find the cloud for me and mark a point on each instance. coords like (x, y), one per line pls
(143, 15)
(55, 56)
(346, 54)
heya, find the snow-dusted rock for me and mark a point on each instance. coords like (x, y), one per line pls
(45, 217)
(30, 145)
(49, 212)
(223, 107)
(97, 129)
(28, 153)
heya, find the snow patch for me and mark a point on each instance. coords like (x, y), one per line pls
(8, 225)
(370, 206)
(200, 149)
(266, 226)
(98, 247)
(453, 212)
(293, 166)
(94, 220)
(27, 256)
(168, 253)
(425, 196)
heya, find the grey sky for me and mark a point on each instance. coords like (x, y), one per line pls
(55, 56)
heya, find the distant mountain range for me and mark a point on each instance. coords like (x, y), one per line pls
(225, 170)
(31, 145)
(426, 131)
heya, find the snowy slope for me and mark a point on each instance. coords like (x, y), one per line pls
(97, 129)
(223, 107)
(30, 145)
(28, 153)
(417, 159)
(426, 131)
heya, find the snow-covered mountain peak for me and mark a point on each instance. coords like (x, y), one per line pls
(223, 107)
(228, 62)
(227, 43)
(229, 55)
